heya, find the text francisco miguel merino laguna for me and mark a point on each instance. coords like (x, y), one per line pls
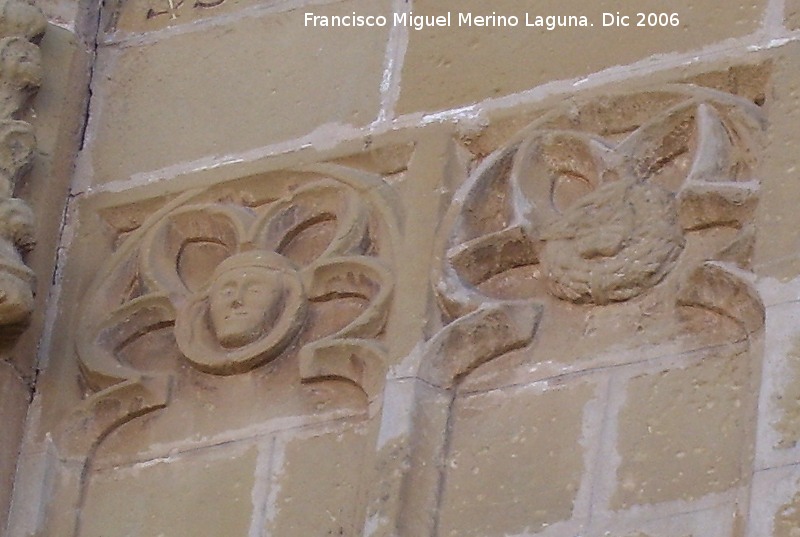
(418, 22)
(549, 22)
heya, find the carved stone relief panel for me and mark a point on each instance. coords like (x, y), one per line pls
(228, 314)
(571, 220)
(610, 240)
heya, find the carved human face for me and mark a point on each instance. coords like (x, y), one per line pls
(242, 303)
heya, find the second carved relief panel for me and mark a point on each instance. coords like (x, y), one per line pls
(602, 257)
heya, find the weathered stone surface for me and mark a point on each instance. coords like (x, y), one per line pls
(793, 14)
(569, 318)
(207, 493)
(21, 28)
(779, 416)
(317, 488)
(452, 67)
(714, 521)
(777, 224)
(150, 111)
(685, 432)
(148, 15)
(774, 503)
(506, 471)
(14, 396)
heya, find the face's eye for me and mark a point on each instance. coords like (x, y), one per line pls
(226, 291)
(257, 288)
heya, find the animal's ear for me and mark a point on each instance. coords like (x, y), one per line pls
(713, 135)
(555, 169)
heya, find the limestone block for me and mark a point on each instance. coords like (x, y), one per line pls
(151, 110)
(148, 15)
(454, 66)
(515, 460)
(684, 432)
(779, 408)
(69, 14)
(793, 14)
(775, 503)
(316, 488)
(717, 521)
(207, 493)
(14, 397)
(777, 223)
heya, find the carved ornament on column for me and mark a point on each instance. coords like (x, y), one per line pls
(22, 26)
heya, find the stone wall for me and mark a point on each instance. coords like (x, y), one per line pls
(384, 281)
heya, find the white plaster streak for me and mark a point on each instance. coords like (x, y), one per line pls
(773, 43)
(386, 81)
(408, 366)
(260, 492)
(154, 462)
(778, 373)
(276, 463)
(398, 411)
(773, 291)
(608, 459)
(373, 524)
(393, 66)
(456, 114)
(64, 25)
(591, 438)
(774, 17)
(31, 494)
(287, 424)
(331, 135)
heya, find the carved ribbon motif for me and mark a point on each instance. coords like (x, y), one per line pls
(22, 26)
(601, 218)
(236, 283)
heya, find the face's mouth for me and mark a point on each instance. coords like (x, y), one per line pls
(237, 313)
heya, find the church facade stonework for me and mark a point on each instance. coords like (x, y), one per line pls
(387, 282)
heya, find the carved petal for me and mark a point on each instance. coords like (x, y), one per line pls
(324, 201)
(478, 338)
(491, 254)
(720, 288)
(170, 242)
(362, 276)
(702, 205)
(359, 361)
(108, 410)
(97, 345)
(551, 167)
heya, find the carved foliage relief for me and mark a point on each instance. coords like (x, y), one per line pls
(627, 230)
(295, 277)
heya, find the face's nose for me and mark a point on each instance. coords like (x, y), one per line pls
(237, 298)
